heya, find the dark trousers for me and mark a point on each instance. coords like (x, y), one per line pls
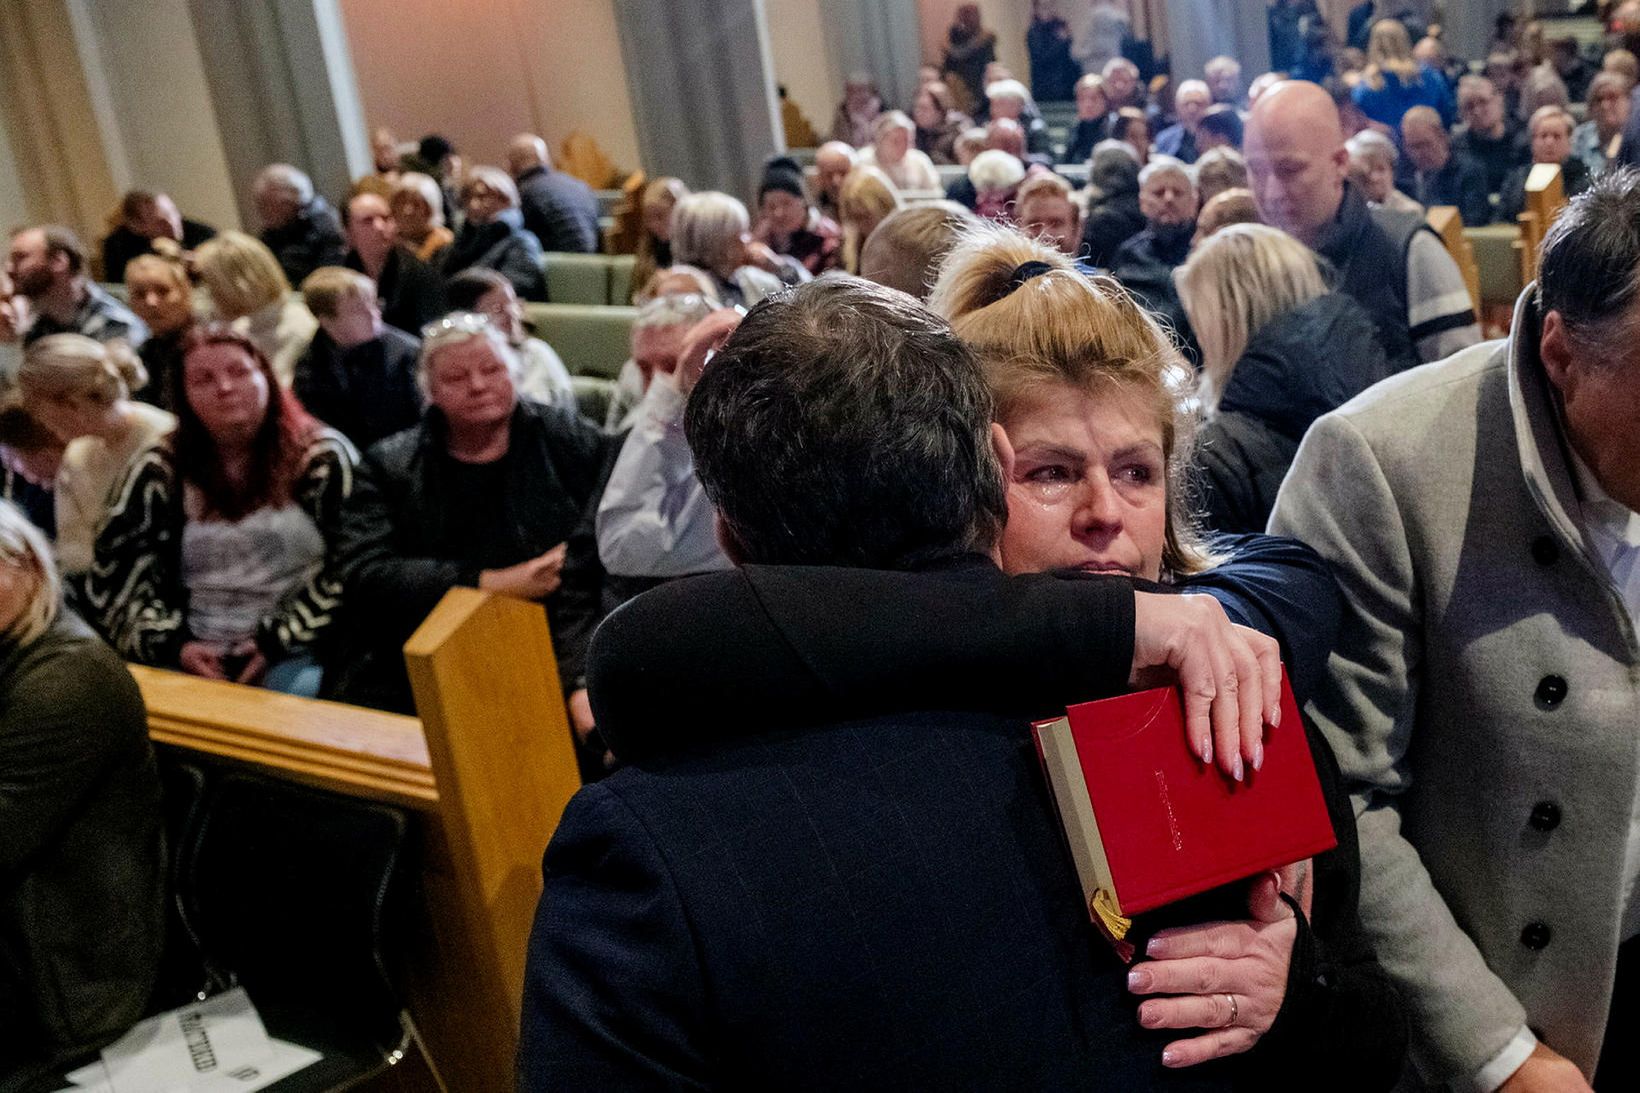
(1619, 1068)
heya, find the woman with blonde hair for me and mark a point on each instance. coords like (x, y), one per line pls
(1097, 406)
(163, 298)
(655, 205)
(865, 200)
(418, 211)
(248, 290)
(1279, 349)
(80, 389)
(1394, 81)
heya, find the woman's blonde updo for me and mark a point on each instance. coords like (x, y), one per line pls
(1061, 328)
(73, 365)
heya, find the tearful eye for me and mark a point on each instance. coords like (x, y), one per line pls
(1049, 483)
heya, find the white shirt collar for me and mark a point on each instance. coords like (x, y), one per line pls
(1611, 521)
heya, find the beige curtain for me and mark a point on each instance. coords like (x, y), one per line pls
(1148, 18)
(46, 109)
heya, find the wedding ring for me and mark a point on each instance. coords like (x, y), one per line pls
(1235, 1011)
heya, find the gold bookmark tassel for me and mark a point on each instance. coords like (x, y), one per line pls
(1112, 923)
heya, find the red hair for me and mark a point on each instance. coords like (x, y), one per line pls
(277, 449)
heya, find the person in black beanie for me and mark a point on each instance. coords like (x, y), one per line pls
(791, 239)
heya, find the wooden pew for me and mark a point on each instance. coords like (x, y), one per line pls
(1447, 223)
(1545, 197)
(487, 768)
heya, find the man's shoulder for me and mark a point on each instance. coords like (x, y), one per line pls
(1399, 412)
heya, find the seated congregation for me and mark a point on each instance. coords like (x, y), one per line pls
(986, 409)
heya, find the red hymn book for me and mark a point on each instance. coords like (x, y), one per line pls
(1149, 823)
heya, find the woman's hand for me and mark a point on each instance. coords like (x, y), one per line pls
(1226, 977)
(1230, 676)
(202, 658)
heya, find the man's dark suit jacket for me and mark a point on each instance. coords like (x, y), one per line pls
(560, 209)
(411, 291)
(1462, 182)
(811, 878)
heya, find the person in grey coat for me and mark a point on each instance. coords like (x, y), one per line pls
(1484, 697)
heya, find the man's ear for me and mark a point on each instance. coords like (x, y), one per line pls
(1004, 449)
(727, 539)
(1555, 350)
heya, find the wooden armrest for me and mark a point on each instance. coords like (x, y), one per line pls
(348, 749)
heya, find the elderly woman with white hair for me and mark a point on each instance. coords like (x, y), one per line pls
(483, 493)
(891, 151)
(1279, 349)
(82, 860)
(1010, 99)
(711, 230)
(996, 176)
(1372, 169)
(493, 236)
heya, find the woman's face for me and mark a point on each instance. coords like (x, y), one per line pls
(163, 302)
(1089, 488)
(501, 306)
(784, 212)
(893, 145)
(483, 204)
(72, 414)
(226, 390)
(926, 112)
(18, 586)
(657, 217)
(1374, 175)
(1091, 103)
(470, 384)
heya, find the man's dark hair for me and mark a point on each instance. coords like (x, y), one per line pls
(1223, 121)
(463, 291)
(433, 148)
(845, 424)
(1590, 270)
(61, 240)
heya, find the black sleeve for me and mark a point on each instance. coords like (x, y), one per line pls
(577, 607)
(614, 997)
(1280, 587)
(520, 263)
(821, 644)
(380, 579)
(62, 725)
(1475, 206)
(582, 454)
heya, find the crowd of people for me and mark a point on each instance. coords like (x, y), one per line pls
(892, 468)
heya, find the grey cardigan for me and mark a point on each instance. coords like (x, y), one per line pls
(1483, 699)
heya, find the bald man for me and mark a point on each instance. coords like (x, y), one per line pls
(832, 163)
(1392, 264)
(1442, 176)
(560, 209)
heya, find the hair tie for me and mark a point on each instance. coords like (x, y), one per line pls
(1024, 272)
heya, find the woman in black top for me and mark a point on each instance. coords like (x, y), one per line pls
(483, 494)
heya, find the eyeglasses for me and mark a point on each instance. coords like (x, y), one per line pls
(457, 322)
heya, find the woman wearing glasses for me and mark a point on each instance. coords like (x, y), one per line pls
(482, 493)
(216, 556)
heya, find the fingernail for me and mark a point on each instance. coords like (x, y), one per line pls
(1258, 756)
(1206, 749)
(1148, 1017)
(1138, 980)
(1275, 716)
(1156, 946)
(1170, 1057)
(1236, 769)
